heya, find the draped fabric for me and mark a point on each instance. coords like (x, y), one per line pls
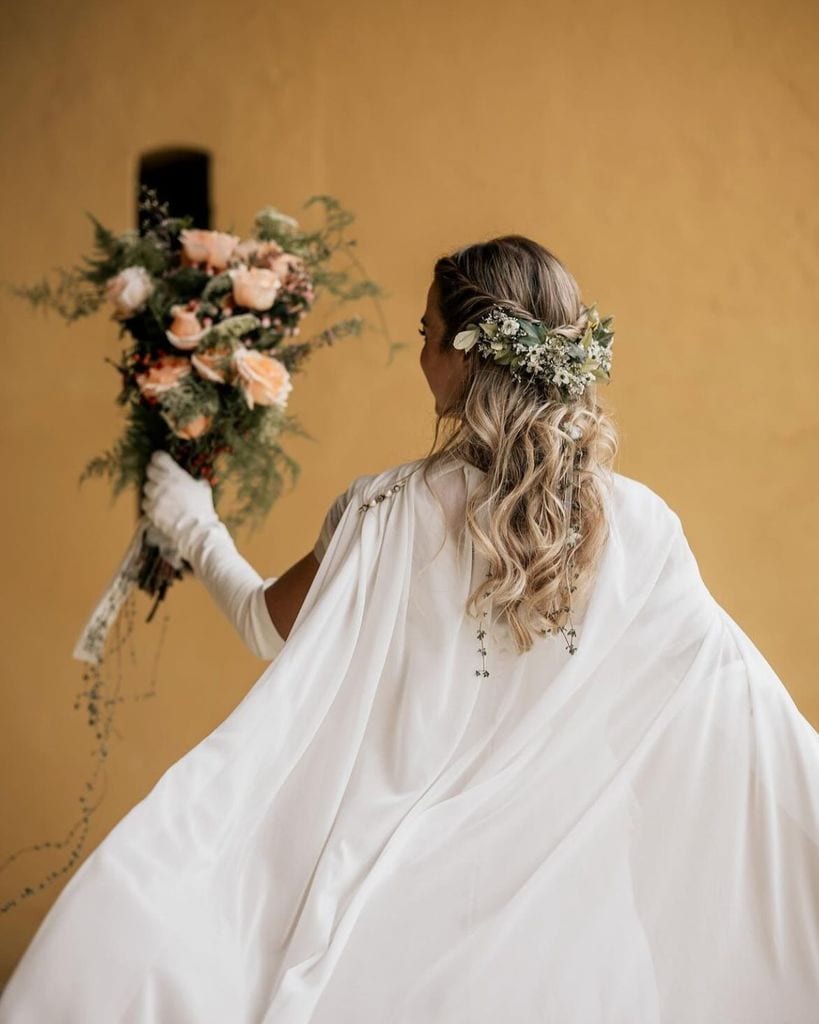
(380, 833)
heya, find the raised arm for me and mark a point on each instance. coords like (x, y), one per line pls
(286, 595)
(181, 509)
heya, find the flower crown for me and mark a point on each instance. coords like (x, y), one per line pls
(550, 355)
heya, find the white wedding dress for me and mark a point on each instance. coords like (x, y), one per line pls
(379, 833)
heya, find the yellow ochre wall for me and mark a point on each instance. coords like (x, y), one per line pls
(667, 153)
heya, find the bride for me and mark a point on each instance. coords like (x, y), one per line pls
(509, 760)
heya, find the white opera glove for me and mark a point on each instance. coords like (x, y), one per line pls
(180, 508)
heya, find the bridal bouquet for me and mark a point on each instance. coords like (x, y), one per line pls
(208, 321)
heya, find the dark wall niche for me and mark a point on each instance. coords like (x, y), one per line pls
(181, 178)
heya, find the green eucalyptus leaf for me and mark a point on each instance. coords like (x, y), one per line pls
(219, 284)
(187, 282)
(530, 332)
(235, 326)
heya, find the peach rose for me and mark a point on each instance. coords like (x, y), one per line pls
(254, 287)
(128, 291)
(262, 379)
(162, 375)
(192, 429)
(285, 264)
(186, 331)
(212, 364)
(213, 248)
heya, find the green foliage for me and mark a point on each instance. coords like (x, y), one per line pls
(190, 398)
(232, 328)
(294, 355)
(216, 287)
(258, 466)
(124, 463)
(72, 297)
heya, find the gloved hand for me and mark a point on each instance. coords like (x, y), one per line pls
(180, 508)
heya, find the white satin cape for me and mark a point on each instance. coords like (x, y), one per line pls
(379, 835)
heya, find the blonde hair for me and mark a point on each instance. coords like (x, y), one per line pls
(517, 434)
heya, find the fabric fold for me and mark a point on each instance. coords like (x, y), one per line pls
(378, 832)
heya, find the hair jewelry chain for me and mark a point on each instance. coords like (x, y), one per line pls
(572, 538)
(548, 355)
(483, 671)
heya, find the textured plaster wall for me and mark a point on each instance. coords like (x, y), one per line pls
(668, 153)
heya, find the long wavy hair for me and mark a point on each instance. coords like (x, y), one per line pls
(520, 434)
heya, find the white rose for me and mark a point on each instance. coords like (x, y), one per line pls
(509, 326)
(129, 290)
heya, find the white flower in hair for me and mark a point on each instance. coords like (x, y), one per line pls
(466, 339)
